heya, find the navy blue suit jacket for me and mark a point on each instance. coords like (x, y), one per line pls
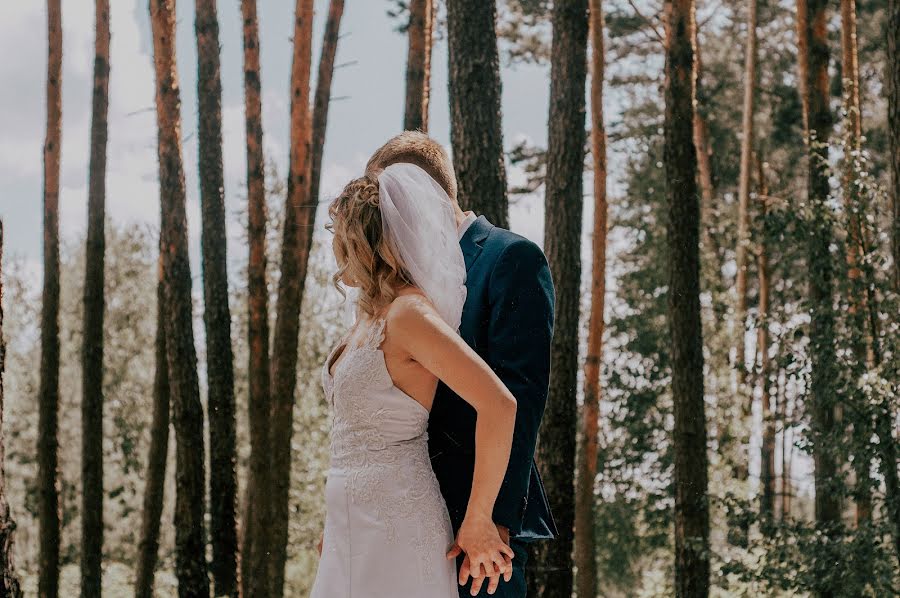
(508, 321)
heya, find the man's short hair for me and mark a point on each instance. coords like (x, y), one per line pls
(415, 147)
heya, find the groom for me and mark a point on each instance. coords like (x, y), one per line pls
(508, 321)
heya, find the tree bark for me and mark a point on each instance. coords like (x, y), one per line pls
(148, 547)
(322, 100)
(787, 451)
(9, 583)
(767, 450)
(299, 223)
(184, 385)
(689, 434)
(418, 64)
(858, 306)
(217, 314)
(551, 574)
(704, 164)
(743, 237)
(254, 570)
(892, 87)
(823, 377)
(48, 397)
(476, 130)
(585, 539)
(92, 337)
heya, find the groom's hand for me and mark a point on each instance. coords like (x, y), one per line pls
(479, 577)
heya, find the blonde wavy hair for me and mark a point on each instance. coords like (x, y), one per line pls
(365, 258)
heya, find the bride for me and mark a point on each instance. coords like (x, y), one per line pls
(387, 530)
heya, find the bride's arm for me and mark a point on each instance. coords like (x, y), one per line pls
(415, 326)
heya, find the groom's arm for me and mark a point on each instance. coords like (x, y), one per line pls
(520, 333)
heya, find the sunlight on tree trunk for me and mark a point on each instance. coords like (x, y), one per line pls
(254, 562)
(48, 394)
(585, 542)
(184, 383)
(300, 218)
(680, 162)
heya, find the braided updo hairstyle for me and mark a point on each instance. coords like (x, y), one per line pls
(365, 259)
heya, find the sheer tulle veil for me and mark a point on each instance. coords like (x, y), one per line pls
(420, 226)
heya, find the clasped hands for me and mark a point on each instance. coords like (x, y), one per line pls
(488, 556)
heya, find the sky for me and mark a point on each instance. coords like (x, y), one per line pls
(369, 88)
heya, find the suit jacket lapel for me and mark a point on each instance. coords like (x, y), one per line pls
(472, 242)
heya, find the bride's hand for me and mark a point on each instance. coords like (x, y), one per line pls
(487, 553)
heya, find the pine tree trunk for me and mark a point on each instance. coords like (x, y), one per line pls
(254, 563)
(892, 87)
(92, 337)
(743, 238)
(689, 437)
(299, 222)
(767, 451)
(586, 460)
(418, 64)
(786, 489)
(322, 100)
(184, 384)
(48, 397)
(9, 583)
(704, 164)
(823, 377)
(476, 123)
(803, 59)
(217, 315)
(148, 548)
(858, 307)
(550, 575)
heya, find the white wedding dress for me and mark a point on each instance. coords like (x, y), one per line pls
(387, 530)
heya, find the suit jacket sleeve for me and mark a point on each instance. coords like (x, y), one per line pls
(520, 334)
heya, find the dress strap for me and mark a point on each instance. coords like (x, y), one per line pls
(375, 336)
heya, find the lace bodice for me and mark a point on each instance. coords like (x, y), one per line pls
(373, 421)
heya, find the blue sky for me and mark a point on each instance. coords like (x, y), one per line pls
(372, 88)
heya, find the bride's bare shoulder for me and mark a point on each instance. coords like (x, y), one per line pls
(409, 307)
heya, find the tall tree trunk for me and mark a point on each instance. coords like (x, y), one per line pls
(680, 158)
(476, 130)
(551, 574)
(254, 569)
(743, 238)
(217, 315)
(855, 243)
(184, 384)
(299, 223)
(322, 100)
(148, 547)
(742, 252)
(48, 397)
(704, 163)
(418, 64)
(823, 378)
(767, 451)
(892, 87)
(787, 451)
(92, 338)
(9, 583)
(585, 538)
(803, 60)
